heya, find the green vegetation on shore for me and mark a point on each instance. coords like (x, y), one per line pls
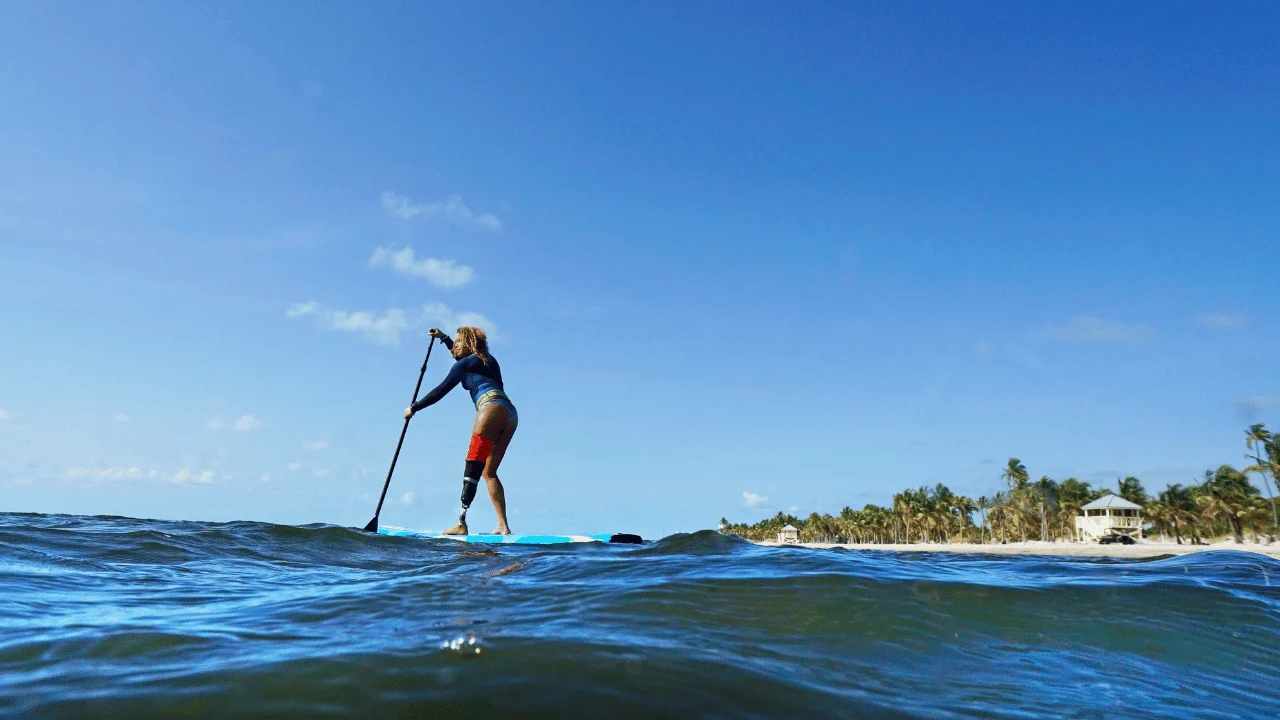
(1222, 502)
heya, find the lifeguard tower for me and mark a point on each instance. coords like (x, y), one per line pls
(788, 535)
(1109, 515)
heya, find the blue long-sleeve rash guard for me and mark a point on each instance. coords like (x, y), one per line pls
(472, 372)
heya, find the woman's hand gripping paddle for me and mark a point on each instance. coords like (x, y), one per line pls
(373, 524)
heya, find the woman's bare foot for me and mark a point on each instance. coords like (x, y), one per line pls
(502, 530)
(459, 529)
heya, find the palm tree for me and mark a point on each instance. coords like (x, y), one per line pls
(1254, 512)
(1260, 441)
(999, 501)
(1227, 495)
(1046, 491)
(1179, 504)
(1015, 473)
(1131, 489)
(1072, 495)
(903, 508)
(983, 506)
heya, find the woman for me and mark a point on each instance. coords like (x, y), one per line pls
(496, 419)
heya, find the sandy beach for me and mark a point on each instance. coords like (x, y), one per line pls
(1146, 549)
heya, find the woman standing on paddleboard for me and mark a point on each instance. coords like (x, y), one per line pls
(495, 423)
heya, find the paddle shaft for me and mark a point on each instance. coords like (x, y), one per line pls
(373, 524)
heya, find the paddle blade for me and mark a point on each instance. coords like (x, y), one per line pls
(372, 527)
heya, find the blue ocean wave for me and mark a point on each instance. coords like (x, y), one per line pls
(117, 617)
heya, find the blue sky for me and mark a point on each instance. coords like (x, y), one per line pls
(737, 257)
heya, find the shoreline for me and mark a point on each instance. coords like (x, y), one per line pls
(1037, 547)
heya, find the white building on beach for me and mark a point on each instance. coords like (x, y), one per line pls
(1109, 515)
(789, 535)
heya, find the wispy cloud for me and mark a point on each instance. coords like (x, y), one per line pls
(215, 424)
(752, 499)
(441, 273)
(184, 476)
(383, 328)
(301, 309)
(982, 348)
(121, 418)
(119, 473)
(387, 326)
(440, 315)
(315, 445)
(105, 473)
(1253, 406)
(1088, 328)
(407, 498)
(295, 466)
(1223, 320)
(451, 210)
(266, 477)
(320, 472)
(3, 415)
(247, 423)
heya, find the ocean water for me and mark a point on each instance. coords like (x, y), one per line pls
(118, 618)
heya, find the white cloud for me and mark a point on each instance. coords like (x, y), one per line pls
(320, 472)
(1087, 328)
(215, 424)
(439, 315)
(386, 327)
(105, 473)
(441, 273)
(121, 418)
(247, 423)
(266, 477)
(451, 210)
(752, 499)
(3, 415)
(1223, 320)
(185, 476)
(295, 466)
(300, 309)
(793, 509)
(315, 445)
(407, 498)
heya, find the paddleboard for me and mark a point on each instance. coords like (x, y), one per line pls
(513, 539)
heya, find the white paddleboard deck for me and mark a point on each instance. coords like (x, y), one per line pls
(512, 539)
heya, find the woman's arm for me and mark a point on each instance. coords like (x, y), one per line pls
(450, 382)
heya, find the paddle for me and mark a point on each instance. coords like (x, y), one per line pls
(373, 524)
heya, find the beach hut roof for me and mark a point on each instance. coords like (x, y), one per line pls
(788, 527)
(1112, 501)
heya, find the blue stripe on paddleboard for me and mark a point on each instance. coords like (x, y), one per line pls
(496, 539)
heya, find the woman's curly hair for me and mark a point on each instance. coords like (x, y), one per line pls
(474, 340)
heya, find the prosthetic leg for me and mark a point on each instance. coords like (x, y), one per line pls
(477, 454)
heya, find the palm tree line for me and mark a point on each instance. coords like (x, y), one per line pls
(1223, 502)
